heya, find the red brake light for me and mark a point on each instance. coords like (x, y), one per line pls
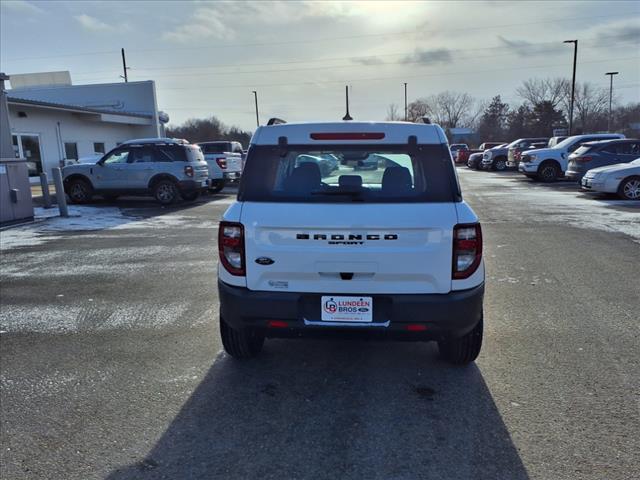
(231, 247)
(277, 324)
(348, 136)
(222, 162)
(188, 171)
(416, 327)
(583, 159)
(467, 250)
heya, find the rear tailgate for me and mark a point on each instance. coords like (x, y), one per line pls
(234, 162)
(354, 248)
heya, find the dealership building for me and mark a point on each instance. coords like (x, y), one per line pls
(54, 122)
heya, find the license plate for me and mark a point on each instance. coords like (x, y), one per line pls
(347, 309)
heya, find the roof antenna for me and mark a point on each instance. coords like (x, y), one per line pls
(347, 116)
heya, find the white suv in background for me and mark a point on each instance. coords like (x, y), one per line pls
(391, 250)
(549, 164)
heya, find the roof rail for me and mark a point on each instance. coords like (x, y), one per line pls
(275, 121)
(426, 120)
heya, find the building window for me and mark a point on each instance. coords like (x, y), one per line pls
(98, 147)
(71, 150)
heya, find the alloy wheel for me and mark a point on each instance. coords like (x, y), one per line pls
(631, 189)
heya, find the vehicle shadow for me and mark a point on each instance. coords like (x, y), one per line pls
(341, 409)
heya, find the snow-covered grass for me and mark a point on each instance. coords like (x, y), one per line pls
(87, 218)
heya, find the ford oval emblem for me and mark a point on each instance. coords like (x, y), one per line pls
(264, 261)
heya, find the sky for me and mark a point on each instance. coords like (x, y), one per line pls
(207, 57)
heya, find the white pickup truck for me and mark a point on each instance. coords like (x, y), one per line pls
(225, 161)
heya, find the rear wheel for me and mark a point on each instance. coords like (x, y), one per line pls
(217, 186)
(79, 191)
(239, 344)
(548, 172)
(165, 192)
(463, 350)
(630, 189)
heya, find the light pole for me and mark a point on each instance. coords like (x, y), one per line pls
(255, 96)
(573, 83)
(405, 101)
(611, 74)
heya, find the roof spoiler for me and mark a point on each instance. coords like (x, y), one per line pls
(275, 121)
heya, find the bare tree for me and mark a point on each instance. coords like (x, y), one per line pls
(417, 109)
(590, 105)
(538, 90)
(392, 113)
(452, 109)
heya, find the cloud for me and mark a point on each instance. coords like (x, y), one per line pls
(92, 24)
(522, 48)
(205, 23)
(21, 6)
(428, 57)
(368, 60)
(629, 33)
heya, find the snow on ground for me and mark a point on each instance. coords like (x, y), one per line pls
(561, 203)
(87, 218)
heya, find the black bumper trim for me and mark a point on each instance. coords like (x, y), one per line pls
(444, 315)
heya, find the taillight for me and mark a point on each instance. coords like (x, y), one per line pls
(583, 159)
(231, 247)
(188, 171)
(467, 249)
(222, 162)
(516, 154)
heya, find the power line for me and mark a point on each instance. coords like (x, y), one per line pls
(333, 38)
(389, 78)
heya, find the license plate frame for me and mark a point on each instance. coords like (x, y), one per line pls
(346, 309)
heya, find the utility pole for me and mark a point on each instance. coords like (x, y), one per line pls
(573, 83)
(124, 67)
(405, 102)
(611, 74)
(255, 96)
(347, 116)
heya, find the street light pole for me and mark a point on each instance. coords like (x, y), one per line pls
(255, 96)
(611, 74)
(405, 101)
(573, 83)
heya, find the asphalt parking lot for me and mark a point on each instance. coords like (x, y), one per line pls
(111, 364)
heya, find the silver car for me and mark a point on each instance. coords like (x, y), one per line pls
(165, 168)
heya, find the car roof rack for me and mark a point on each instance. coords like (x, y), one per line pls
(426, 120)
(275, 121)
(156, 141)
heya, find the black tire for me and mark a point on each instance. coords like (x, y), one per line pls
(190, 196)
(217, 186)
(240, 343)
(165, 192)
(463, 350)
(500, 164)
(629, 188)
(79, 191)
(548, 172)
(110, 198)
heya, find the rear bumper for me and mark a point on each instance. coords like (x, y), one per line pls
(574, 175)
(443, 315)
(193, 185)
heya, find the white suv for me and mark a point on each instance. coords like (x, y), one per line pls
(389, 250)
(549, 164)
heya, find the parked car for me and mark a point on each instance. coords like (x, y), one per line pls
(475, 159)
(225, 161)
(454, 147)
(622, 178)
(301, 255)
(518, 146)
(163, 167)
(327, 163)
(549, 164)
(463, 154)
(601, 154)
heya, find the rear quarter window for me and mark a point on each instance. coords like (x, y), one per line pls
(349, 173)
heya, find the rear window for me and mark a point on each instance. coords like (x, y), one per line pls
(215, 147)
(346, 173)
(172, 153)
(583, 149)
